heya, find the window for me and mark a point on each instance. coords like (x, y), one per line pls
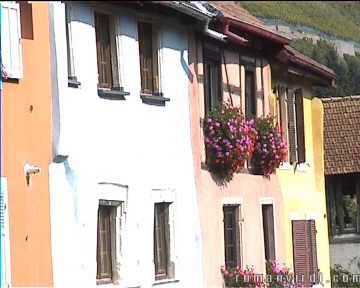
(108, 241)
(268, 229)
(304, 250)
(212, 80)
(107, 61)
(70, 56)
(283, 114)
(162, 241)
(250, 99)
(343, 200)
(148, 52)
(11, 53)
(26, 20)
(296, 131)
(231, 235)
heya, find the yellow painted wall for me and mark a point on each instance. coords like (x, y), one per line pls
(304, 191)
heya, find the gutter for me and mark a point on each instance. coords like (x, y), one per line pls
(200, 14)
(232, 36)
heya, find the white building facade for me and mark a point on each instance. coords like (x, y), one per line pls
(122, 189)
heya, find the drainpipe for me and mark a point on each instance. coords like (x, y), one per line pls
(232, 36)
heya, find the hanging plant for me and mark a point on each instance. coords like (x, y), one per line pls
(270, 149)
(229, 140)
(244, 278)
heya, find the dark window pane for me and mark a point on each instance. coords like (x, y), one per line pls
(103, 49)
(250, 100)
(300, 133)
(212, 81)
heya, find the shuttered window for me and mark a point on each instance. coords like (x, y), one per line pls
(250, 99)
(26, 20)
(300, 134)
(161, 240)
(103, 49)
(148, 52)
(11, 53)
(212, 80)
(268, 229)
(296, 126)
(104, 243)
(304, 250)
(108, 241)
(231, 235)
(283, 115)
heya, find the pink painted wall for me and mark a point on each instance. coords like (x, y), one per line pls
(247, 190)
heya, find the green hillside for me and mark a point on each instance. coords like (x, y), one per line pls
(341, 19)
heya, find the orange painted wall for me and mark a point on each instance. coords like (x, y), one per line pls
(27, 138)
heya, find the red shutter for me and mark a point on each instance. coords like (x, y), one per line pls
(300, 133)
(103, 49)
(26, 20)
(291, 125)
(304, 250)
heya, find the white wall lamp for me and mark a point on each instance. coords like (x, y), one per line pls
(29, 170)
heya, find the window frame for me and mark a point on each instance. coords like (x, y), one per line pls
(116, 211)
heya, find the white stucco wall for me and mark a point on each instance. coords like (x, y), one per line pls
(143, 150)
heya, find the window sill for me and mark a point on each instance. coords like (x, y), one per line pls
(165, 281)
(112, 94)
(285, 166)
(303, 167)
(73, 82)
(154, 99)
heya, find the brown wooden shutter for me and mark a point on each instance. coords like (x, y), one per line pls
(304, 250)
(291, 125)
(103, 49)
(268, 228)
(146, 57)
(231, 236)
(26, 20)
(300, 133)
(161, 240)
(104, 258)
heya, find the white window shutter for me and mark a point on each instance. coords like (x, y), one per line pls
(11, 39)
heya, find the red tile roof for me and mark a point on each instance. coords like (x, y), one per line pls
(310, 62)
(342, 134)
(234, 12)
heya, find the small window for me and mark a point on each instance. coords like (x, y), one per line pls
(108, 241)
(250, 99)
(161, 241)
(26, 20)
(107, 60)
(11, 54)
(231, 235)
(73, 81)
(282, 110)
(148, 52)
(268, 229)
(212, 80)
